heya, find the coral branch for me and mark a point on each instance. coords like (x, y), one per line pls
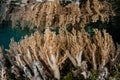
(48, 52)
(53, 14)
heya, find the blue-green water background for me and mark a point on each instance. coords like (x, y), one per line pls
(7, 32)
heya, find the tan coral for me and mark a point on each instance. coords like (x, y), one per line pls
(53, 14)
(104, 43)
(75, 47)
(37, 48)
(50, 50)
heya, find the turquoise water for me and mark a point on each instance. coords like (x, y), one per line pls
(6, 33)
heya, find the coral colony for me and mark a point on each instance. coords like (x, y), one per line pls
(44, 54)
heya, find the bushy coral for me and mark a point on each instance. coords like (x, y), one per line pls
(53, 14)
(49, 51)
(42, 56)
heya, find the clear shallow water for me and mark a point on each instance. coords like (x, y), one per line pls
(6, 33)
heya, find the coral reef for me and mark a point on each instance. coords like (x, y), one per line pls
(42, 54)
(37, 48)
(53, 14)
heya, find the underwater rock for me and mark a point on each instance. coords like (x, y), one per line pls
(3, 67)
